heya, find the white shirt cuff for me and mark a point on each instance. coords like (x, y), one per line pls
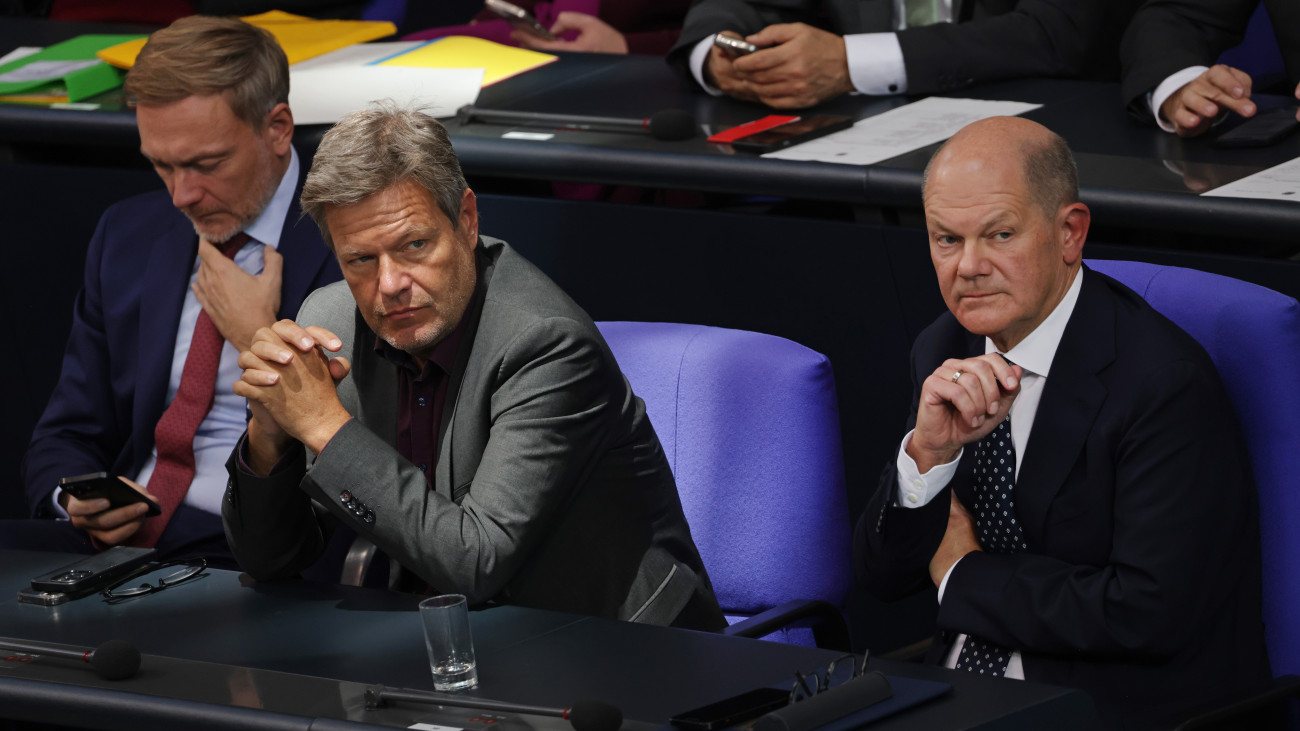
(944, 584)
(876, 63)
(699, 57)
(915, 489)
(54, 501)
(1167, 88)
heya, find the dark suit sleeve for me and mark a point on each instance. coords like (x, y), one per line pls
(1036, 38)
(1167, 36)
(270, 524)
(82, 428)
(1180, 530)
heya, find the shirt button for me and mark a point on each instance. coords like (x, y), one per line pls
(424, 467)
(419, 401)
(918, 484)
(913, 498)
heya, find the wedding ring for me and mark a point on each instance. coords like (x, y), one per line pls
(956, 375)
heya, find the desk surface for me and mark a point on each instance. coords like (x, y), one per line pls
(525, 656)
(1132, 176)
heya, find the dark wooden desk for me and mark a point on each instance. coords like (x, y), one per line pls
(361, 636)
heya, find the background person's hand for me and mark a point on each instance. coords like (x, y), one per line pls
(1195, 106)
(594, 35)
(798, 66)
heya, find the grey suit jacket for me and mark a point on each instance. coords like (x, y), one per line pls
(993, 40)
(551, 489)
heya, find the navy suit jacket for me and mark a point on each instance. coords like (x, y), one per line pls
(117, 364)
(1141, 584)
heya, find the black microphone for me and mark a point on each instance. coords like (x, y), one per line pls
(112, 660)
(665, 124)
(583, 715)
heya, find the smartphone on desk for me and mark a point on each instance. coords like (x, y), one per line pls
(519, 18)
(1261, 130)
(733, 710)
(792, 133)
(89, 574)
(103, 485)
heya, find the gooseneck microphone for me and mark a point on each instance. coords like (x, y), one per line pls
(665, 124)
(583, 715)
(112, 660)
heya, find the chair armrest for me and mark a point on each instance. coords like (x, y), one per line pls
(827, 623)
(1243, 703)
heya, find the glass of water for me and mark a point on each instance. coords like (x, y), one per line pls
(446, 635)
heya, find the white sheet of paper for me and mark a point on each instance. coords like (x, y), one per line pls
(17, 53)
(1279, 183)
(46, 70)
(357, 54)
(900, 130)
(324, 94)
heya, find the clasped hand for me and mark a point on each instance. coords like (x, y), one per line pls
(291, 387)
(797, 66)
(954, 412)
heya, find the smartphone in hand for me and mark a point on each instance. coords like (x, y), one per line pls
(519, 18)
(103, 485)
(734, 46)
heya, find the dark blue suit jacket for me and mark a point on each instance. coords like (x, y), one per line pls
(113, 385)
(1141, 584)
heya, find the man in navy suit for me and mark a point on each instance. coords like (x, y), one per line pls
(176, 284)
(1075, 482)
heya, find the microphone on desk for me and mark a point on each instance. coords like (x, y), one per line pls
(665, 124)
(112, 660)
(583, 715)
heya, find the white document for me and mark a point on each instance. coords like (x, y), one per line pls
(357, 54)
(17, 53)
(900, 130)
(1279, 183)
(324, 94)
(46, 70)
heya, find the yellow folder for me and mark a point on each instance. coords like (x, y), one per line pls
(465, 52)
(301, 38)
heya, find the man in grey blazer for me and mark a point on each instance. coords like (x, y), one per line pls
(815, 50)
(474, 424)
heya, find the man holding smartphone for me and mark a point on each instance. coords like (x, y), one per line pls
(809, 53)
(176, 283)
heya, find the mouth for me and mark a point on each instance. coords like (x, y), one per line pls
(402, 314)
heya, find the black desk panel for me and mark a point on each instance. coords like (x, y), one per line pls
(363, 637)
(1134, 177)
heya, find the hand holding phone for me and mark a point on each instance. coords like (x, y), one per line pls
(519, 18)
(734, 46)
(102, 485)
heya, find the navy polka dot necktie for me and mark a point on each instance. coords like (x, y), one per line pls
(996, 528)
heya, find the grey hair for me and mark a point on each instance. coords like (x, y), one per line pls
(373, 149)
(1050, 173)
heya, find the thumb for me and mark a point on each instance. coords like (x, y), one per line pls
(273, 262)
(339, 368)
(569, 20)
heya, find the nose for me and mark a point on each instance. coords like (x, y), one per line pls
(186, 190)
(973, 262)
(393, 278)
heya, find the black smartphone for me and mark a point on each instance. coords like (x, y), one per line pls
(733, 710)
(101, 484)
(792, 133)
(1261, 130)
(734, 46)
(519, 18)
(93, 572)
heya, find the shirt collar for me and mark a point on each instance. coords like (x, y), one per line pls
(1036, 351)
(443, 355)
(268, 226)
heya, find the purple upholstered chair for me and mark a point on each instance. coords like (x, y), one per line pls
(1253, 336)
(751, 429)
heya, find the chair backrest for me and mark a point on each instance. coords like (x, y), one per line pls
(751, 429)
(1253, 336)
(1258, 54)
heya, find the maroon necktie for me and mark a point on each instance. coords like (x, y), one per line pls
(174, 435)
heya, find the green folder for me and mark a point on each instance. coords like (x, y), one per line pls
(55, 69)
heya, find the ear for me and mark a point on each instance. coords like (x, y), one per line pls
(1074, 220)
(279, 129)
(467, 223)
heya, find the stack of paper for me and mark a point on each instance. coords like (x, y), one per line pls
(301, 38)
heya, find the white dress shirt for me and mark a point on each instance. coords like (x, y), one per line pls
(1034, 355)
(875, 60)
(225, 423)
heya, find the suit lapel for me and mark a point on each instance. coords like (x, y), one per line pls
(300, 243)
(444, 480)
(1071, 399)
(164, 284)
